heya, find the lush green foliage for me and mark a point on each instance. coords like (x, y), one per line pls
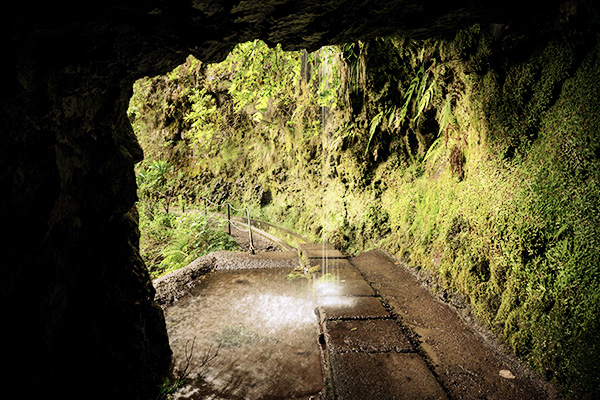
(170, 241)
(476, 159)
(156, 185)
(518, 235)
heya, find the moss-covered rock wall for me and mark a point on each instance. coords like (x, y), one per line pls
(474, 159)
(81, 320)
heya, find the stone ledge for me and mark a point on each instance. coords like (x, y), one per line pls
(346, 307)
(381, 335)
(383, 376)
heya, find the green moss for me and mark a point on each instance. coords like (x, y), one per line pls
(494, 191)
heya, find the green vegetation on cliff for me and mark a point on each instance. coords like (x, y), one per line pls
(475, 159)
(170, 241)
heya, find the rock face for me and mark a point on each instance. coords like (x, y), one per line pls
(81, 318)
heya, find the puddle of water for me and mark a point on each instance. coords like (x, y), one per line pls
(265, 329)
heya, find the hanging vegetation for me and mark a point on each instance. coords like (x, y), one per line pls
(474, 159)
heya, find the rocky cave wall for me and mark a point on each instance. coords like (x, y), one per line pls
(80, 312)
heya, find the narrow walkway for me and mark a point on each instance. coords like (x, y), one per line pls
(384, 336)
(380, 334)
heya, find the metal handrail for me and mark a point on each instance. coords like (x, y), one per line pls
(230, 222)
(237, 227)
(236, 209)
(206, 205)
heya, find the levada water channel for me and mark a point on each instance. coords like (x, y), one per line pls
(249, 333)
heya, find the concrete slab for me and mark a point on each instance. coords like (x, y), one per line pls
(355, 287)
(465, 363)
(321, 253)
(330, 263)
(349, 271)
(347, 307)
(315, 246)
(344, 281)
(274, 255)
(379, 335)
(383, 376)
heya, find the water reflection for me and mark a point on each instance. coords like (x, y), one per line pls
(266, 328)
(275, 312)
(329, 293)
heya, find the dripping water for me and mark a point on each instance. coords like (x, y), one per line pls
(325, 71)
(325, 170)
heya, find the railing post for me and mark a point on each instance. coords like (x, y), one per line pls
(229, 218)
(250, 231)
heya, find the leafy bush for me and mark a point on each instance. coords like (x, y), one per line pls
(156, 185)
(169, 241)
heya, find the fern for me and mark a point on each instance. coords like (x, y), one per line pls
(417, 99)
(373, 127)
(434, 150)
(424, 99)
(418, 96)
(447, 117)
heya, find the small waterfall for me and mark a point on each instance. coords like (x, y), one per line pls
(325, 71)
(324, 177)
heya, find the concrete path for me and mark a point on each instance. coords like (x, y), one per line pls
(384, 336)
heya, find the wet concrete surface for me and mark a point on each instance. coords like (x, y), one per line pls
(330, 262)
(348, 281)
(402, 376)
(264, 328)
(466, 364)
(352, 308)
(358, 329)
(367, 355)
(369, 336)
(320, 251)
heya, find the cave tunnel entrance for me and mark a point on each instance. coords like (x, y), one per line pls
(249, 330)
(194, 125)
(81, 299)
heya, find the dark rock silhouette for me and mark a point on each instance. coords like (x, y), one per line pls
(80, 320)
